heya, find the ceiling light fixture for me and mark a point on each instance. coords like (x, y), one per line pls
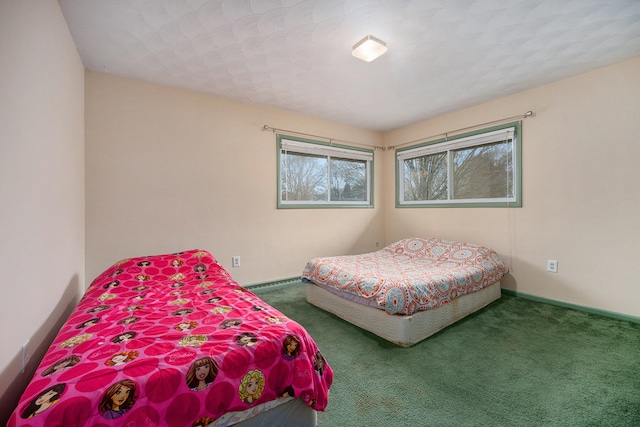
(369, 48)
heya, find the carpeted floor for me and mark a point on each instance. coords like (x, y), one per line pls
(514, 363)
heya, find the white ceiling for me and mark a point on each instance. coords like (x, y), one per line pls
(296, 54)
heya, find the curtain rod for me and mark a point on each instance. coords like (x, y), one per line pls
(446, 134)
(331, 140)
(393, 147)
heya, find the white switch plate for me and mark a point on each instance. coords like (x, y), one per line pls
(235, 261)
(552, 266)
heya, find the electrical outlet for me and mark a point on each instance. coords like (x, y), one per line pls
(552, 266)
(26, 355)
(235, 261)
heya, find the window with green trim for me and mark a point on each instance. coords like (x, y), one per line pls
(471, 170)
(313, 174)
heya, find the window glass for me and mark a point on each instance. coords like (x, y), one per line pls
(348, 180)
(316, 174)
(304, 177)
(476, 169)
(425, 177)
(483, 172)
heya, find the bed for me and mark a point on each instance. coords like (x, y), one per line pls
(173, 340)
(408, 290)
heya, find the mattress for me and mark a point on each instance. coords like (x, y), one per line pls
(173, 340)
(413, 274)
(408, 290)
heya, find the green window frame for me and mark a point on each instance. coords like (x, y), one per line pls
(316, 174)
(475, 169)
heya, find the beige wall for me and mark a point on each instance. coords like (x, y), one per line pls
(171, 170)
(581, 198)
(41, 184)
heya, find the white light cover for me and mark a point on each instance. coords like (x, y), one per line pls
(369, 48)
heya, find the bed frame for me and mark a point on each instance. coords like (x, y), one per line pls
(402, 330)
(292, 413)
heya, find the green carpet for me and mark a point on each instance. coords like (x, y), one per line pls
(514, 363)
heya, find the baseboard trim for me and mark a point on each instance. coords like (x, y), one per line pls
(605, 313)
(275, 284)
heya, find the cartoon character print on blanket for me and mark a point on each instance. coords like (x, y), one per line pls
(160, 340)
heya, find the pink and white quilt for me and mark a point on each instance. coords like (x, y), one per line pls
(410, 275)
(170, 340)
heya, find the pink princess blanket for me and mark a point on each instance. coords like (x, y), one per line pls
(170, 340)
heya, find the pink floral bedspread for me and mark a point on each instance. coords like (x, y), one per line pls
(411, 275)
(170, 340)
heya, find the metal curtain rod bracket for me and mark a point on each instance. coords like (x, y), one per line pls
(446, 135)
(330, 140)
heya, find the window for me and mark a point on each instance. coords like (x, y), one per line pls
(315, 174)
(472, 170)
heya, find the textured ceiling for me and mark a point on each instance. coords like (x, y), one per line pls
(296, 54)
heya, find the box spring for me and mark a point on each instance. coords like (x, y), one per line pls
(398, 329)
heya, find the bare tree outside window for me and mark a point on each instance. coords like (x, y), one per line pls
(425, 178)
(305, 177)
(483, 172)
(348, 180)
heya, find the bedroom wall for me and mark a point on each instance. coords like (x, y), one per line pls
(41, 185)
(171, 170)
(581, 199)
